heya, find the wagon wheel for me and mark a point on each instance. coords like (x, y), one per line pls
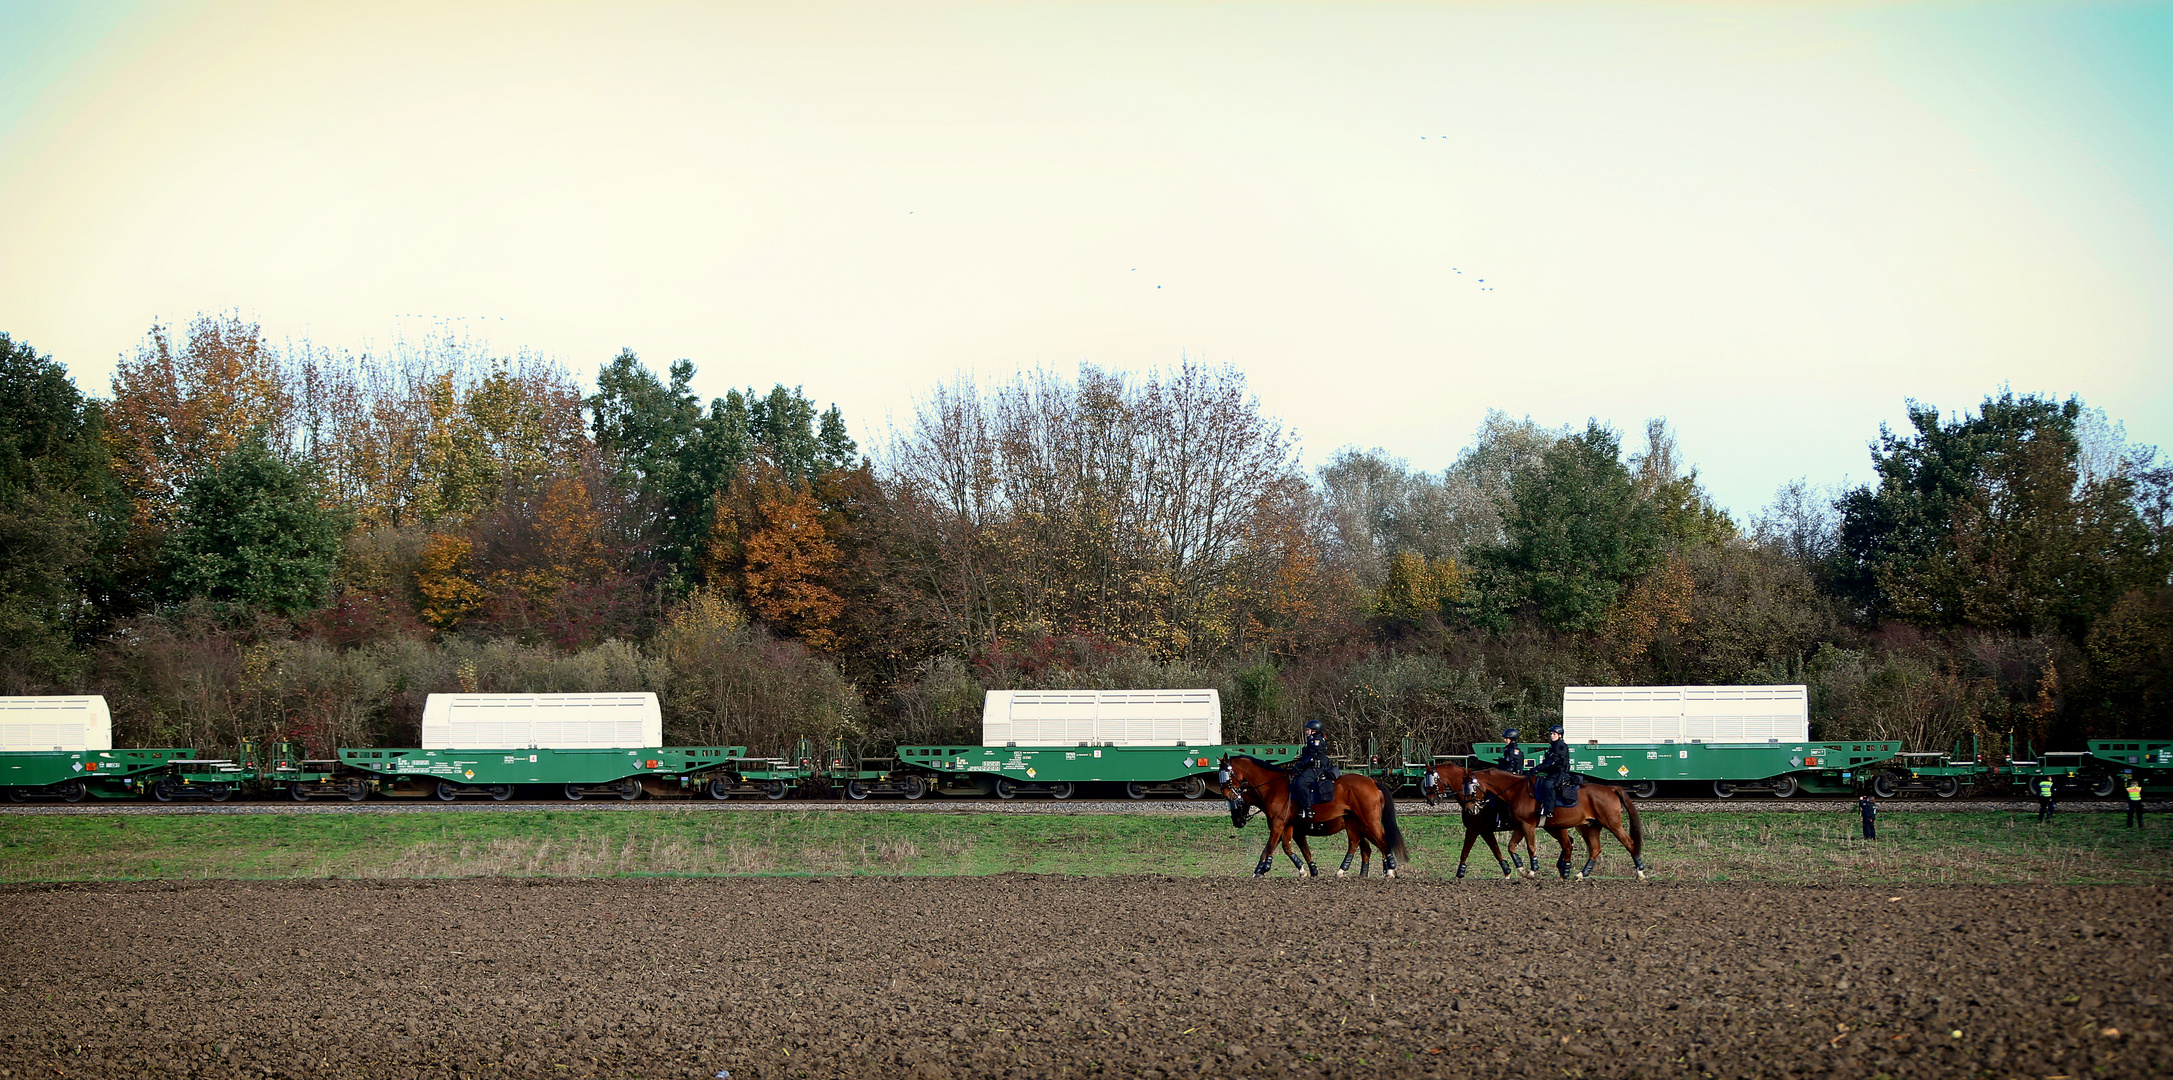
(73, 791)
(1005, 789)
(856, 790)
(1723, 789)
(1882, 785)
(629, 790)
(1135, 790)
(573, 793)
(501, 792)
(915, 787)
(15, 794)
(358, 792)
(1196, 787)
(2101, 786)
(1784, 787)
(720, 789)
(163, 791)
(298, 792)
(1061, 791)
(1948, 787)
(220, 793)
(776, 790)
(446, 791)
(1645, 789)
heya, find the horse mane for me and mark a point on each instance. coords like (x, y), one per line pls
(1268, 765)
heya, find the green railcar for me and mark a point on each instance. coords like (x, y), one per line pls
(623, 773)
(74, 775)
(2072, 772)
(1780, 769)
(258, 767)
(2150, 759)
(1062, 771)
(1397, 771)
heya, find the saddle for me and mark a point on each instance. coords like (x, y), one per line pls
(1316, 785)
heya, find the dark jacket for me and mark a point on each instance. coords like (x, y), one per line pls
(1512, 758)
(1314, 755)
(1555, 765)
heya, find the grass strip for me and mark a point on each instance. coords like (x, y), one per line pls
(1951, 848)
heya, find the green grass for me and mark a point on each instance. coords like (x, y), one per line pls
(1958, 848)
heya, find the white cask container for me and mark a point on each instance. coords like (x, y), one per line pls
(1683, 714)
(542, 721)
(1101, 718)
(55, 723)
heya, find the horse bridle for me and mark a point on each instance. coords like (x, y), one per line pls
(1234, 789)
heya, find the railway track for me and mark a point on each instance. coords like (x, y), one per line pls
(1152, 807)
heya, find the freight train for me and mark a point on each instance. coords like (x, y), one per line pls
(1719, 740)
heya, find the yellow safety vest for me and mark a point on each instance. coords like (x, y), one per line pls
(2044, 788)
(2135, 791)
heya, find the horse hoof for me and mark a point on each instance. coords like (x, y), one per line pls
(1388, 873)
(1640, 875)
(1342, 873)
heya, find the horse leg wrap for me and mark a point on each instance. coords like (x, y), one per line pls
(1505, 871)
(1517, 859)
(1295, 864)
(1460, 868)
(1346, 862)
(1262, 869)
(1388, 864)
(1563, 866)
(1588, 865)
(1637, 862)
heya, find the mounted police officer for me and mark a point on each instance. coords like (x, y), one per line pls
(1512, 755)
(1311, 765)
(1553, 770)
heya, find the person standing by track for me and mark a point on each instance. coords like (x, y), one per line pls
(2135, 802)
(1870, 811)
(2045, 805)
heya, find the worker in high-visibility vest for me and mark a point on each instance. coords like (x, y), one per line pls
(2135, 802)
(2044, 799)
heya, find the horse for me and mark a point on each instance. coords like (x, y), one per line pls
(1483, 817)
(1598, 807)
(1361, 808)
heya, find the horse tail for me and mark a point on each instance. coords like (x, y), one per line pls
(1390, 831)
(1637, 827)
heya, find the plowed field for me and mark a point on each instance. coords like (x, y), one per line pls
(1022, 976)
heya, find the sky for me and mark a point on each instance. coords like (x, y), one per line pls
(1772, 225)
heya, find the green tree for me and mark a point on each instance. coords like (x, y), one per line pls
(253, 532)
(58, 504)
(1576, 532)
(1995, 521)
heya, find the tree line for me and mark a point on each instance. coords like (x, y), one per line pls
(244, 538)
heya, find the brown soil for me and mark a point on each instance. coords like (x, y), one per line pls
(1039, 976)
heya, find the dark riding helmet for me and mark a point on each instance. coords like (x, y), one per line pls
(1509, 734)
(1555, 730)
(1312, 725)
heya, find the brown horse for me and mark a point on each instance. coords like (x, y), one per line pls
(1360, 809)
(1598, 807)
(1484, 816)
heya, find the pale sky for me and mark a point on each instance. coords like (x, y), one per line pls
(1769, 224)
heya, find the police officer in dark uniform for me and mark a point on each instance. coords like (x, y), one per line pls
(1553, 769)
(1512, 755)
(1870, 812)
(1311, 757)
